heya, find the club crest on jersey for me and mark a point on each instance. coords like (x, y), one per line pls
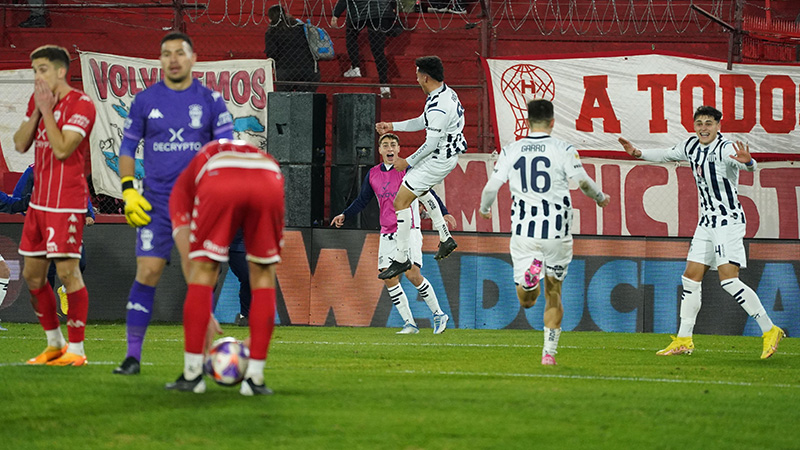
(195, 114)
(57, 115)
(146, 236)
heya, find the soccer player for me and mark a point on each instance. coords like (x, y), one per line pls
(443, 122)
(718, 239)
(230, 185)
(58, 121)
(383, 183)
(538, 169)
(175, 118)
(17, 203)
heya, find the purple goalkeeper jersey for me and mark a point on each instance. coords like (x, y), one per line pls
(174, 126)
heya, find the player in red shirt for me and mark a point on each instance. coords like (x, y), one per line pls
(229, 185)
(58, 122)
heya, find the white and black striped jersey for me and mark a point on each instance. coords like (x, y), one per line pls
(716, 175)
(538, 168)
(443, 122)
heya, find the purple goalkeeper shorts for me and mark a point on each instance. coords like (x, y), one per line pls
(155, 238)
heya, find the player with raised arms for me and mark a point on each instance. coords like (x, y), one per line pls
(443, 122)
(382, 183)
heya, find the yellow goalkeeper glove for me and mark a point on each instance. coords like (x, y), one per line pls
(135, 204)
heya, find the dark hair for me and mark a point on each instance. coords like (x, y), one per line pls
(431, 66)
(540, 110)
(53, 53)
(279, 17)
(177, 35)
(708, 111)
(388, 136)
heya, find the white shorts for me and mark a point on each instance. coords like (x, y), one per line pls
(388, 245)
(555, 254)
(431, 172)
(714, 247)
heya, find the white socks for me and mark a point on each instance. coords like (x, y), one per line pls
(403, 234)
(551, 336)
(436, 215)
(55, 338)
(690, 306)
(749, 301)
(400, 301)
(426, 292)
(3, 289)
(76, 348)
(192, 365)
(255, 370)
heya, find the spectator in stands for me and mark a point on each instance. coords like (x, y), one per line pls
(378, 17)
(38, 17)
(285, 42)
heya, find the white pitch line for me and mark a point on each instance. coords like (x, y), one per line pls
(597, 378)
(90, 363)
(434, 344)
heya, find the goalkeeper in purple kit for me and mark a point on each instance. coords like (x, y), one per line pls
(174, 118)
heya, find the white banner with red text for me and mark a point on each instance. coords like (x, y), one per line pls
(647, 98)
(646, 199)
(112, 81)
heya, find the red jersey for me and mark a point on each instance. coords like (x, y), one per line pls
(60, 186)
(213, 155)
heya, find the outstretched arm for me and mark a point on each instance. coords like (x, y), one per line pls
(742, 155)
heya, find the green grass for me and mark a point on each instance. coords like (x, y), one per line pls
(345, 388)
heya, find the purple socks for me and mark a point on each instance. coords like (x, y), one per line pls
(140, 310)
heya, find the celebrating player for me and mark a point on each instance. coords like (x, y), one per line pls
(443, 122)
(383, 182)
(175, 117)
(718, 239)
(58, 121)
(538, 169)
(228, 186)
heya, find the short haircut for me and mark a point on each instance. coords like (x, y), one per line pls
(708, 111)
(389, 136)
(177, 35)
(53, 53)
(540, 110)
(431, 66)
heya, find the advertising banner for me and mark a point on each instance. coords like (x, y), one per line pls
(647, 98)
(112, 81)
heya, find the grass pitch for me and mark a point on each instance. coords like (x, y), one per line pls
(346, 388)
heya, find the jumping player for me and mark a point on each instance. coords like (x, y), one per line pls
(443, 122)
(383, 183)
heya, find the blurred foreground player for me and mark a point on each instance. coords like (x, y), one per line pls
(58, 122)
(228, 186)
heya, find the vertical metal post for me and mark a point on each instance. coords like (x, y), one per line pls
(177, 21)
(484, 127)
(735, 40)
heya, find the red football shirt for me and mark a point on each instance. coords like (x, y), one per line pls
(60, 186)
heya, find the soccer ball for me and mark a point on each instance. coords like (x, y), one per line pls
(226, 361)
